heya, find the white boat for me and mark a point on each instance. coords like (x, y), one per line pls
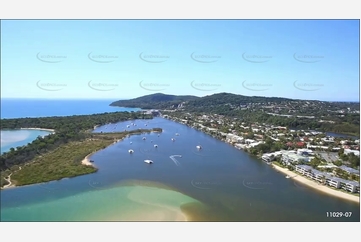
(155, 146)
(199, 147)
(177, 134)
(173, 139)
(128, 126)
(148, 161)
(287, 177)
(131, 142)
(143, 138)
(131, 151)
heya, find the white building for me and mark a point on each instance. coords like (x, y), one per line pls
(304, 152)
(232, 138)
(348, 151)
(291, 157)
(336, 182)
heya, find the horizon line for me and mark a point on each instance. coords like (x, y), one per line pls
(118, 99)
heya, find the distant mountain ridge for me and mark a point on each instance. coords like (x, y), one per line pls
(165, 101)
(154, 101)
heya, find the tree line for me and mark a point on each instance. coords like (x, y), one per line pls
(67, 129)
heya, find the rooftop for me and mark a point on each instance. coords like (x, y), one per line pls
(349, 169)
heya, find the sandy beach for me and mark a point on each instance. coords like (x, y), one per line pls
(86, 160)
(317, 186)
(41, 129)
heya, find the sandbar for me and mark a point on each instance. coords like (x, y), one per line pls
(41, 129)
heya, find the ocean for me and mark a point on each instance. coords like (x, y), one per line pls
(21, 108)
(216, 183)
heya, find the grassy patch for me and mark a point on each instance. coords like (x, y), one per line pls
(63, 162)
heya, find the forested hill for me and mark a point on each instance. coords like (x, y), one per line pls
(234, 99)
(154, 101)
(224, 102)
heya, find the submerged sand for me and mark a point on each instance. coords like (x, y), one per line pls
(120, 203)
(316, 185)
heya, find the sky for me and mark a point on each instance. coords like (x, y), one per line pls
(122, 59)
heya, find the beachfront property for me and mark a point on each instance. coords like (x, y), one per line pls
(327, 179)
(350, 186)
(232, 138)
(308, 171)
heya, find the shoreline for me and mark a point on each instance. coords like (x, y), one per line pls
(86, 160)
(295, 176)
(8, 179)
(316, 185)
(40, 129)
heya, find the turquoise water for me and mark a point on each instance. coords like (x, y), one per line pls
(217, 183)
(124, 203)
(14, 138)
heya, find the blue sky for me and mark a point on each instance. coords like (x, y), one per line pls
(302, 59)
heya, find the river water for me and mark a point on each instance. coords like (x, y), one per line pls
(215, 183)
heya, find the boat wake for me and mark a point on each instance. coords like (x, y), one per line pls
(174, 159)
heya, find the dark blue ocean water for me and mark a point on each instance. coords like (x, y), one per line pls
(21, 108)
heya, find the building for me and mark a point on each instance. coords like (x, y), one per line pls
(350, 170)
(348, 151)
(304, 169)
(327, 179)
(291, 157)
(333, 182)
(232, 138)
(304, 152)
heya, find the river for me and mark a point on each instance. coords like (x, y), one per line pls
(215, 183)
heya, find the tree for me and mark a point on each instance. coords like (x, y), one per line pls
(338, 163)
(341, 151)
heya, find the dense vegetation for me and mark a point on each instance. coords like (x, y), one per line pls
(73, 123)
(232, 99)
(65, 161)
(68, 129)
(154, 101)
(339, 117)
(267, 147)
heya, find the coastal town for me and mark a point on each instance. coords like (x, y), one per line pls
(323, 158)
